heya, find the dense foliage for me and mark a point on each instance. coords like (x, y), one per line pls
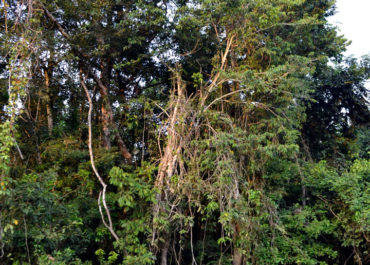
(181, 132)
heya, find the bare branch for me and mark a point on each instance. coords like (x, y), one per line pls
(101, 198)
(26, 239)
(223, 62)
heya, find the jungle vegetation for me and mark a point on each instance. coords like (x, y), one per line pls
(181, 132)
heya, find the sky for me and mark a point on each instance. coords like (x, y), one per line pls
(353, 20)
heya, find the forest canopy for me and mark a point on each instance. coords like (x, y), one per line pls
(181, 132)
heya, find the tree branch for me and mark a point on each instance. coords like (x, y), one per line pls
(103, 89)
(101, 198)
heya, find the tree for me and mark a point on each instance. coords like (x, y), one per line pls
(338, 108)
(209, 132)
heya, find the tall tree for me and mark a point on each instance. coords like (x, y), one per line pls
(209, 132)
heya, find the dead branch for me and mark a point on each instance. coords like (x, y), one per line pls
(223, 62)
(102, 193)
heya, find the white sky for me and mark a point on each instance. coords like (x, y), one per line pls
(353, 20)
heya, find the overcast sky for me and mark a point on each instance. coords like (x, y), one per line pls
(353, 20)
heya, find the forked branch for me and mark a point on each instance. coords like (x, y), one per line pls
(101, 199)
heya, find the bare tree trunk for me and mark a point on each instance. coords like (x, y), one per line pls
(105, 122)
(49, 113)
(164, 251)
(109, 124)
(237, 257)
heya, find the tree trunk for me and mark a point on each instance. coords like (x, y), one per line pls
(237, 257)
(164, 251)
(237, 254)
(103, 89)
(49, 113)
(109, 124)
(105, 122)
